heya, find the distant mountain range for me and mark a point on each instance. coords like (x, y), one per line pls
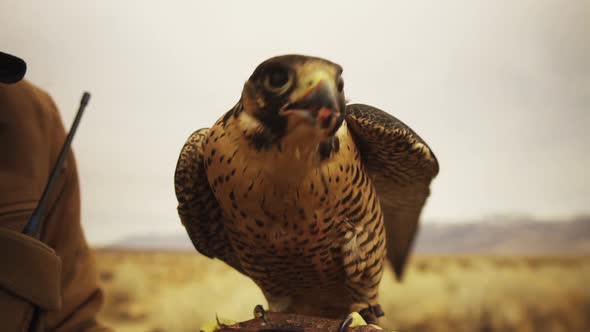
(512, 236)
(498, 235)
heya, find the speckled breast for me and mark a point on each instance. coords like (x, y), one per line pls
(289, 228)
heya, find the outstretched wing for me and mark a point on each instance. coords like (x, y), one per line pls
(401, 166)
(197, 206)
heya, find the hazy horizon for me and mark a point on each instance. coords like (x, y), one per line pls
(499, 90)
(499, 235)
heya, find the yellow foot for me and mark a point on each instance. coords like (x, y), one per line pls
(211, 326)
(354, 319)
(357, 320)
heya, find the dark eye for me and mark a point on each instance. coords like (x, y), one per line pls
(277, 80)
(340, 84)
(278, 77)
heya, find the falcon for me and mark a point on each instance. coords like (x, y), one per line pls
(304, 194)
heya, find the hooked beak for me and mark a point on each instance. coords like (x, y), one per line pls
(317, 104)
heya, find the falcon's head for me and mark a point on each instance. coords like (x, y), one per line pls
(293, 98)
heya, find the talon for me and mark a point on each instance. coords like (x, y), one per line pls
(345, 323)
(260, 313)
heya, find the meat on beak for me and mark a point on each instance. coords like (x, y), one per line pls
(316, 102)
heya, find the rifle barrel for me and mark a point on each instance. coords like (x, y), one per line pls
(34, 224)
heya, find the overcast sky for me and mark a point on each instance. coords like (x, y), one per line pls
(499, 89)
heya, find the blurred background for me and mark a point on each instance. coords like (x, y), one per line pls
(500, 90)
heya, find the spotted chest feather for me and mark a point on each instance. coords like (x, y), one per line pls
(297, 224)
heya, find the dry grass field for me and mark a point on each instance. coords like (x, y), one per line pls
(174, 291)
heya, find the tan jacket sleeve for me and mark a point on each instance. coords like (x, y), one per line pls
(31, 135)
